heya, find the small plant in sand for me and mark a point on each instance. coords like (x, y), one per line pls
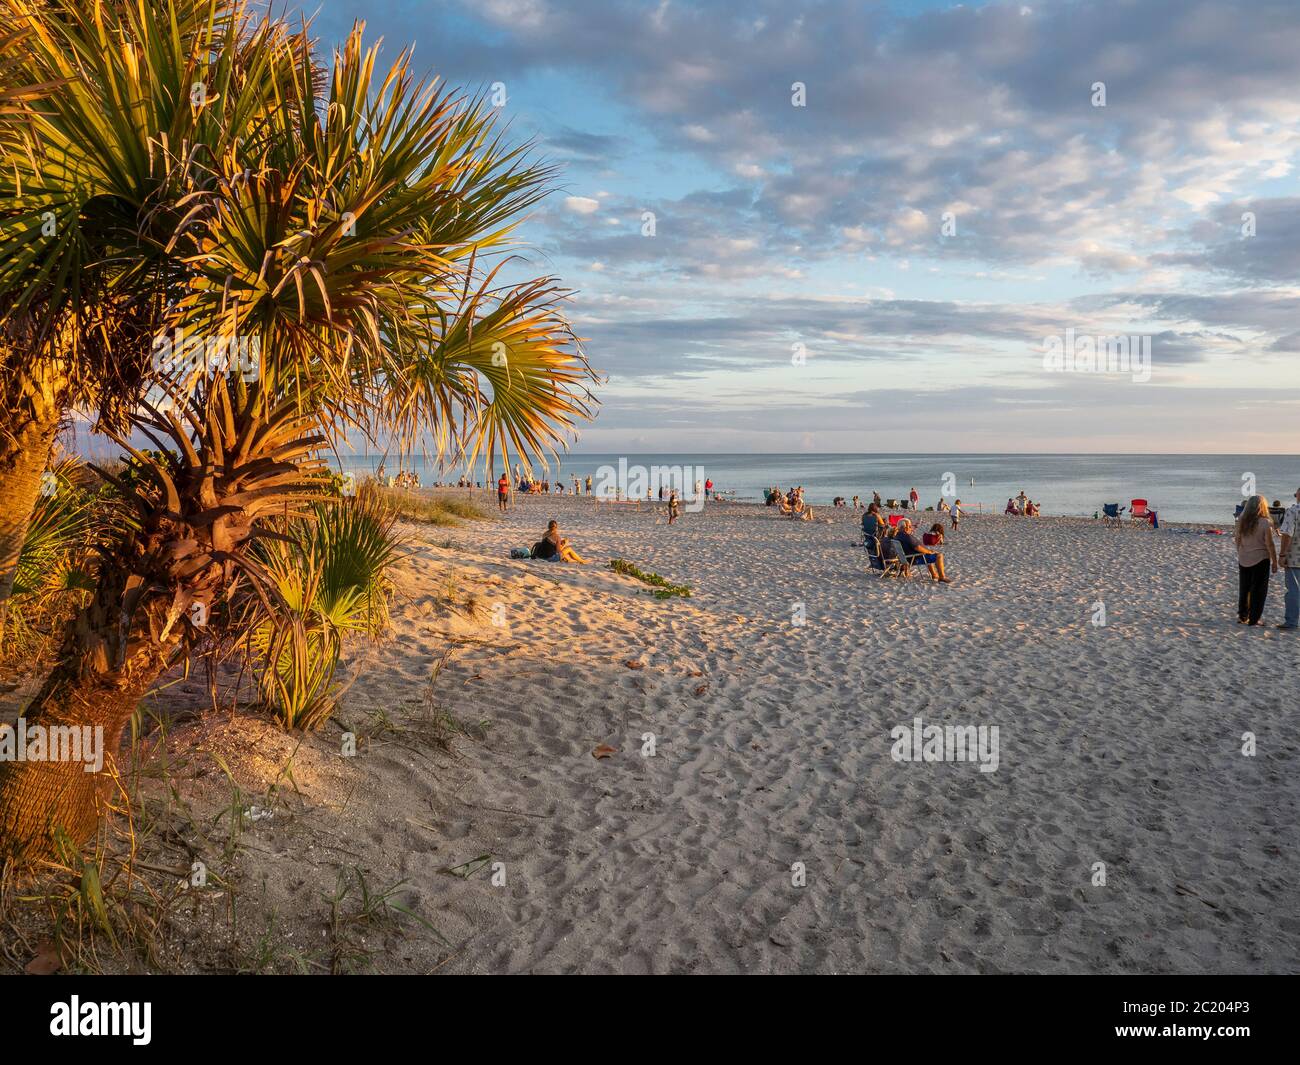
(330, 576)
(663, 589)
(356, 910)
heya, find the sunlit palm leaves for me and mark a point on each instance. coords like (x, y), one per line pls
(142, 105)
(200, 499)
(353, 248)
(330, 574)
(54, 569)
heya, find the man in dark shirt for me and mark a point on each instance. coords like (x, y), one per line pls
(910, 548)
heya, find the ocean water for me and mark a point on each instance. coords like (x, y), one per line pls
(1202, 488)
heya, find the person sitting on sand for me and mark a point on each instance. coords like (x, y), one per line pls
(907, 548)
(1011, 508)
(552, 547)
(934, 538)
(873, 525)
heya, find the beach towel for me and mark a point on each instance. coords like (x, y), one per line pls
(520, 552)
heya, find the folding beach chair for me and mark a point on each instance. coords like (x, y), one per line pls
(1138, 513)
(886, 563)
(894, 519)
(1111, 512)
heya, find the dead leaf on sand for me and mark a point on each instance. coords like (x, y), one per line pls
(46, 961)
(632, 663)
(701, 689)
(604, 751)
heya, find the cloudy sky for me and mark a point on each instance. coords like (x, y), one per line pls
(869, 218)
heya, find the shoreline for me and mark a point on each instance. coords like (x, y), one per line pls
(823, 510)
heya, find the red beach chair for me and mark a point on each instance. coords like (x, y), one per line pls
(894, 519)
(1138, 512)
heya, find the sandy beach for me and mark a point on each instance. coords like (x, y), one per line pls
(752, 817)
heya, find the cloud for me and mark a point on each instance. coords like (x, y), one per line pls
(581, 204)
(1124, 219)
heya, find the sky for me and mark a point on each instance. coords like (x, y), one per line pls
(872, 221)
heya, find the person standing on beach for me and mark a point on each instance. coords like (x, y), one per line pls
(672, 506)
(503, 491)
(915, 497)
(956, 514)
(1289, 560)
(1256, 559)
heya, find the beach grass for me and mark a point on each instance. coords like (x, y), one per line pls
(432, 510)
(663, 589)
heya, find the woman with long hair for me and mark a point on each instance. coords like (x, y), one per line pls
(1256, 559)
(554, 547)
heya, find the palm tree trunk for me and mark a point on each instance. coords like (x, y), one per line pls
(111, 656)
(29, 423)
(41, 799)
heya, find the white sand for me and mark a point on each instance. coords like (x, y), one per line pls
(1119, 745)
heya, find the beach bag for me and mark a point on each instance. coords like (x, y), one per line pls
(544, 552)
(520, 552)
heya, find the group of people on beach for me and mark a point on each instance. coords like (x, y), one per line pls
(1259, 556)
(899, 541)
(792, 503)
(1022, 506)
(403, 479)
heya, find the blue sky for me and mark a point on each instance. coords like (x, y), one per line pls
(819, 229)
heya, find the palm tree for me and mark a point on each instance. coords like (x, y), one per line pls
(196, 506)
(126, 113)
(348, 248)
